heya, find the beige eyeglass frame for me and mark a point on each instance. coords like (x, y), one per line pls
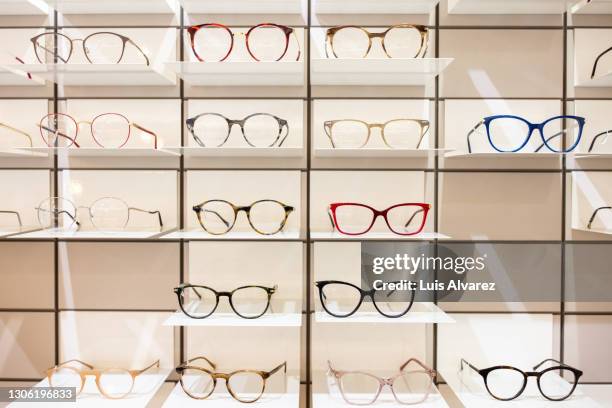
(331, 32)
(329, 126)
(21, 132)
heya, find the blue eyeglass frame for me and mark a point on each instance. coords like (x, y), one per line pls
(532, 127)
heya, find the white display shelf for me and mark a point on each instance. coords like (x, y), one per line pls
(232, 320)
(600, 81)
(14, 75)
(375, 6)
(240, 73)
(111, 6)
(469, 388)
(592, 156)
(592, 7)
(145, 387)
(102, 152)
(100, 74)
(503, 156)
(594, 231)
(198, 234)
(380, 152)
(420, 312)
(21, 152)
(601, 393)
(94, 234)
(375, 236)
(509, 6)
(23, 7)
(221, 398)
(244, 6)
(408, 71)
(271, 152)
(8, 231)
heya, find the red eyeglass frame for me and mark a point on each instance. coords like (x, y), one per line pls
(376, 213)
(194, 29)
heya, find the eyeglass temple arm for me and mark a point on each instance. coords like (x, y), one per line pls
(331, 219)
(549, 360)
(597, 61)
(284, 124)
(564, 131)
(412, 217)
(154, 364)
(595, 214)
(137, 126)
(426, 127)
(465, 362)
(74, 360)
(161, 223)
(327, 125)
(58, 133)
(299, 48)
(21, 132)
(276, 369)
(417, 361)
(62, 212)
(597, 136)
(139, 49)
(469, 145)
(210, 363)
(37, 44)
(13, 212)
(223, 220)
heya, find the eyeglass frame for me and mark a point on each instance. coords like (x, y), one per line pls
(193, 30)
(329, 124)
(92, 371)
(198, 209)
(363, 294)
(382, 381)
(594, 70)
(282, 123)
(597, 136)
(179, 291)
(594, 214)
(125, 40)
(21, 132)
(532, 127)
(226, 376)
(15, 213)
(423, 31)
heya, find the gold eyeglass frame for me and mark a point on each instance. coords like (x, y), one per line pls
(329, 125)
(21, 132)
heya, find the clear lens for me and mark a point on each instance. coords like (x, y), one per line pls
(212, 43)
(58, 130)
(350, 42)
(261, 130)
(353, 219)
(403, 42)
(109, 213)
(212, 129)
(557, 384)
(505, 383)
(508, 134)
(43, 47)
(197, 383)
(246, 386)
(402, 133)
(217, 216)
(349, 134)
(561, 134)
(250, 302)
(393, 303)
(267, 216)
(111, 130)
(267, 43)
(412, 387)
(104, 48)
(197, 301)
(359, 388)
(116, 383)
(406, 219)
(65, 377)
(56, 212)
(340, 299)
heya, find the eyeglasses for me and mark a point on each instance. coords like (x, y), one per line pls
(106, 213)
(18, 132)
(506, 383)
(409, 386)
(15, 213)
(243, 385)
(99, 48)
(109, 130)
(398, 41)
(258, 129)
(594, 70)
(343, 299)
(266, 217)
(265, 42)
(396, 134)
(603, 135)
(358, 219)
(113, 383)
(248, 302)
(508, 133)
(597, 210)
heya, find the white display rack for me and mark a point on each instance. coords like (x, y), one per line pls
(374, 6)
(420, 312)
(407, 72)
(592, 156)
(240, 73)
(99, 74)
(8, 231)
(14, 75)
(469, 388)
(23, 8)
(198, 234)
(244, 6)
(145, 387)
(22, 153)
(509, 6)
(71, 152)
(375, 236)
(112, 6)
(593, 231)
(504, 155)
(221, 398)
(600, 81)
(94, 234)
(281, 319)
(380, 152)
(592, 7)
(271, 152)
